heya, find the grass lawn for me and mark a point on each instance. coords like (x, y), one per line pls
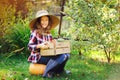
(82, 68)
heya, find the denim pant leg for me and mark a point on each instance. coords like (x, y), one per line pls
(62, 57)
(45, 59)
(60, 68)
(59, 58)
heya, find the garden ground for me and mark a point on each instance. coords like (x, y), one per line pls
(115, 73)
(82, 68)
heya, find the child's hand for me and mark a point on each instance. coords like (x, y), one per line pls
(43, 46)
(46, 43)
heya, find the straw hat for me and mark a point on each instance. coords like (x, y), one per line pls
(54, 20)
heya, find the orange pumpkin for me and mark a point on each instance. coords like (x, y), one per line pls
(37, 69)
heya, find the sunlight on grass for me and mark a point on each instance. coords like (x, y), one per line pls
(100, 56)
(4, 73)
(8, 74)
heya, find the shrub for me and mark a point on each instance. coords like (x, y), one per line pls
(17, 39)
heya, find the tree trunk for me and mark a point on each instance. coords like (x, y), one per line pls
(109, 59)
(107, 53)
(80, 53)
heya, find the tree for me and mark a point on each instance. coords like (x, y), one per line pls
(96, 22)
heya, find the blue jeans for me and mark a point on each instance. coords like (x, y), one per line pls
(60, 59)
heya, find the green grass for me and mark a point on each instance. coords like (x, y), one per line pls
(82, 68)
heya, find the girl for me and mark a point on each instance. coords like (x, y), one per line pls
(39, 39)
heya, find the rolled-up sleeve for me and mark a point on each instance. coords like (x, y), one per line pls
(32, 42)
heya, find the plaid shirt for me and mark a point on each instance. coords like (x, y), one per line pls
(34, 40)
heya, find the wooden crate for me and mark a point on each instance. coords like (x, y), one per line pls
(63, 44)
(48, 52)
(62, 50)
(62, 47)
(57, 48)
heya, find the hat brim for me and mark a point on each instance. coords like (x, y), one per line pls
(54, 21)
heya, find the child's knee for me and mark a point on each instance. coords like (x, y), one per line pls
(66, 56)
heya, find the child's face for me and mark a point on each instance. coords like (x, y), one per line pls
(44, 21)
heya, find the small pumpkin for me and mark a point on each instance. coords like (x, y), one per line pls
(37, 69)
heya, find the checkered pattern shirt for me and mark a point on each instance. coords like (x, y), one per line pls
(35, 39)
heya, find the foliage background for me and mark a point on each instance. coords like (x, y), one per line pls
(90, 24)
(93, 27)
